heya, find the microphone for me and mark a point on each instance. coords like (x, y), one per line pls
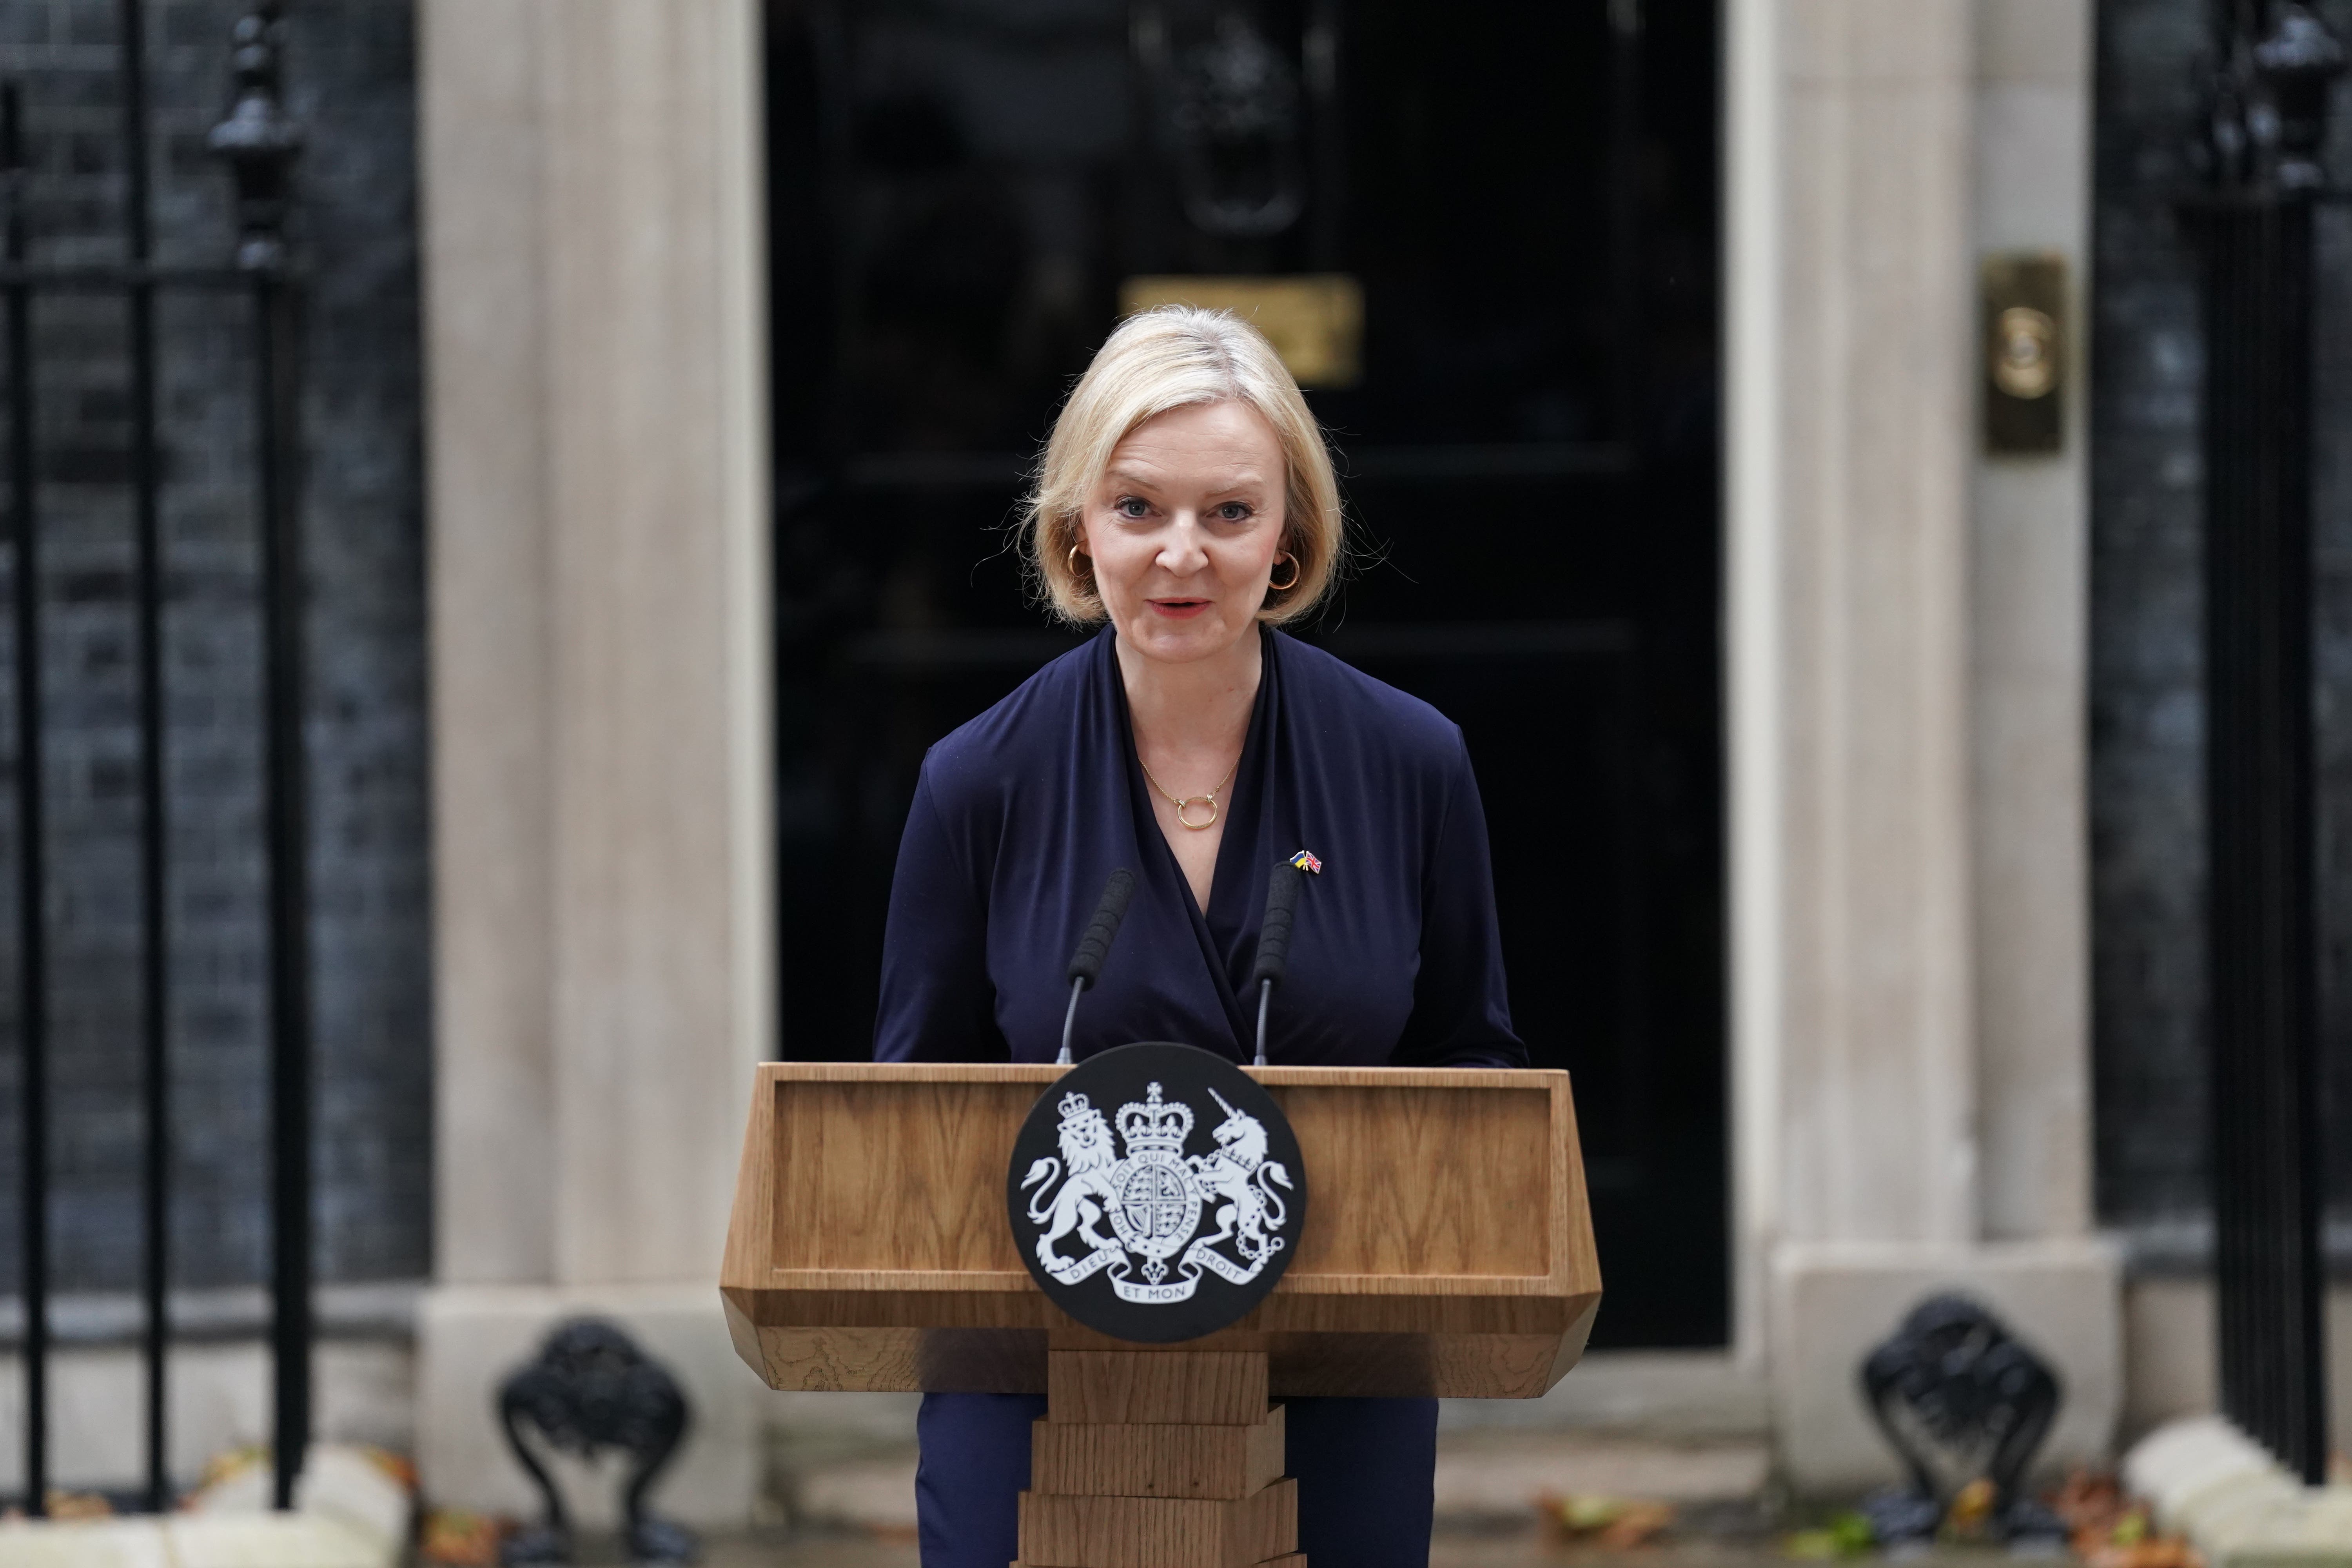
(1274, 944)
(1094, 946)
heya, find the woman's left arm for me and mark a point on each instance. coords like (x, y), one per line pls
(1460, 1006)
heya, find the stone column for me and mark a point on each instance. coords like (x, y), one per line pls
(597, 353)
(2029, 625)
(1883, 992)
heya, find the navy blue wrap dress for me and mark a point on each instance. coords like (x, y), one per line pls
(1018, 820)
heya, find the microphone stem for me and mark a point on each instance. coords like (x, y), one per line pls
(1265, 998)
(1070, 1021)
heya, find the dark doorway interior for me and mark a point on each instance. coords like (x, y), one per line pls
(1526, 196)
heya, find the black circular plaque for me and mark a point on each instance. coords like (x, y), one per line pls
(1156, 1193)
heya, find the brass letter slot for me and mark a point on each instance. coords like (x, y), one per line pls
(1314, 321)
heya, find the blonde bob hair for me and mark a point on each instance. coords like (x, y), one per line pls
(1173, 356)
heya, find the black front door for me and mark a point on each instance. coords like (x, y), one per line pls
(1504, 214)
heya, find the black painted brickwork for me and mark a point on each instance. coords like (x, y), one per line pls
(350, 80)
(2148, 734)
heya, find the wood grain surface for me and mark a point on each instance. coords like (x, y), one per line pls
(1156, 1459)
(1448, 1247)
(1287, 1560)
(1060, 1531)
(1223, 1388)
(1341, 1364)
(910, 1179)
(1431, 1183)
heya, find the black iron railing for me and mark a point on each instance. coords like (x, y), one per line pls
(259, 142)
(2275, 62)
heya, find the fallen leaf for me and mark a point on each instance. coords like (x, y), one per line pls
(1637, 1525)
(65, 1505)
(460, 1538)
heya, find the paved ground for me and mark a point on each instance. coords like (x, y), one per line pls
(859, 1512)
(810, 1551)
(1483, 1478)
(1452, 1550)
(1486, 1482)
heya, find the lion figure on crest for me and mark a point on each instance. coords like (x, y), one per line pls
(1087, 1156)
(1240, 1180)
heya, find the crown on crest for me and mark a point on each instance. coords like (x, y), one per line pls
(1154, 1125)
(1075, 1106)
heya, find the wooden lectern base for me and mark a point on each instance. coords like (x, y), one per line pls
(1449, 1252)
(1162, 1458)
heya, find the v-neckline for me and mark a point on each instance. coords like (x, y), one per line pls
(1236, 851)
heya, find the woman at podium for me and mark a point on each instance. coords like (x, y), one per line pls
(1187, 505)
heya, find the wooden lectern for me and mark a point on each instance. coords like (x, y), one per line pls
(1447, 1250)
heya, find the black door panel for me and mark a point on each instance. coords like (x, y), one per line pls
(1523, 194)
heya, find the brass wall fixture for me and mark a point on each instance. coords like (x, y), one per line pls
(1315, 321)
(2024, 314)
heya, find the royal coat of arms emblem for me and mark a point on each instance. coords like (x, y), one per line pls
(1135, 1198)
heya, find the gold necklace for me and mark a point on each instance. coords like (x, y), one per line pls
(1209, 800)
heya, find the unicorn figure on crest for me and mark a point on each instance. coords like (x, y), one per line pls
(1240, 1180)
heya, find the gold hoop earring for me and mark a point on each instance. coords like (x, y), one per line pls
(1295, 570)
(1074, 560)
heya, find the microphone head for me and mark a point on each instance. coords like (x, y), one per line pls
(1274, 933)
(1094, 946)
